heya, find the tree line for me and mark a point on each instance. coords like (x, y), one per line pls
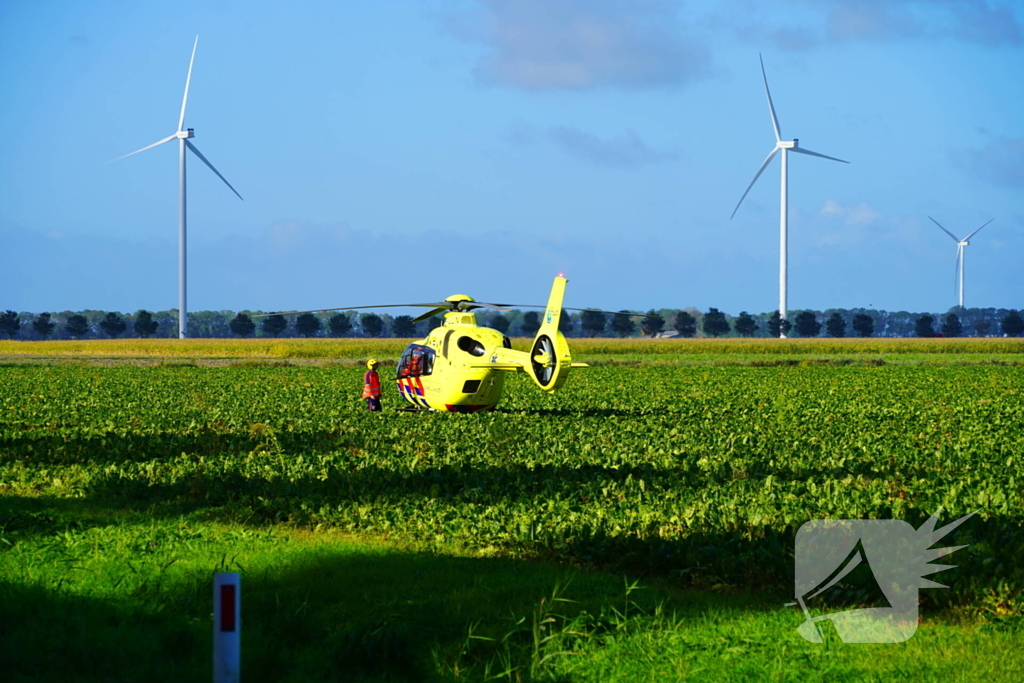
(690, 322)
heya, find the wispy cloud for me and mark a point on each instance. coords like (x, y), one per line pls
(1000, 162)
(574, 44)
(625, 150)
(985, 22)
(869, 20)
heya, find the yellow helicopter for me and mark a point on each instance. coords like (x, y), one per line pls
(460, 367)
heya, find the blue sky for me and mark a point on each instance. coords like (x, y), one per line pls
(405, 151)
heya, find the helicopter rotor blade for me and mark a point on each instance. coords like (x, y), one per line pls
(442, 306)
(429, 314)
(596, 310)
(641, 315)
(480, 304)
(346, 308)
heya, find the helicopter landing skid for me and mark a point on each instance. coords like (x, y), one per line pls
(413, 409)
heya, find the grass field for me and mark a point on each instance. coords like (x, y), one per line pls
(647, 348)
(636, 526)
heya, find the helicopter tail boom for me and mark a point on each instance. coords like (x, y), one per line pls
(549, 360)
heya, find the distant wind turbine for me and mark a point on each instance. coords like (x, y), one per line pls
(183, 136)
(960, 244)
(786, 146)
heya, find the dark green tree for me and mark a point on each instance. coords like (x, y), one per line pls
(714, 323)
(745, 325)
(981, 327)
(308, 325)
(835, 326)
(565, 323)
(372, 324)
(686, 324)
(530, 324)
(9, 324)
(622, 324)
(274, 325)
(1012, 324)
(806, 324)
(43, 326)
(777, 325)
(593, 323)
(923, 326)
(144, 324)
(403, 326)
(242, 326)
(652, 324)
(863, 325)
(499, 322)
(77, 326)
(951, 326)
(434, 322)
(339, 325)
(113, 325)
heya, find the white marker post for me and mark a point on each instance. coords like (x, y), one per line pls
(227, 627)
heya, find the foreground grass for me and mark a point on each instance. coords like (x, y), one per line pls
(123, 489)
(92, 595)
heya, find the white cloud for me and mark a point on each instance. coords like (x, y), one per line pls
(831, 208)
(862, 214)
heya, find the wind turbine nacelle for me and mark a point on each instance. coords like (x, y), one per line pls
(185, 134)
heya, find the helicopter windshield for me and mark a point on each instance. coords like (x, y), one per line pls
(416, 360)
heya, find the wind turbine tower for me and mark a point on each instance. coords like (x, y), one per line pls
(183, 136)
(960, 244)
(785, 146)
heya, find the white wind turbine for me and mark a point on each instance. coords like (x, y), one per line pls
(183, 136)
(960, 244)
(786, 146)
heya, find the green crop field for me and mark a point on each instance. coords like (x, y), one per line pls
(638, 525)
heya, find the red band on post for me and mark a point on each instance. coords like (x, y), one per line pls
(227, 608)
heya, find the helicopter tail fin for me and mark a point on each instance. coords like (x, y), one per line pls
(550, 358)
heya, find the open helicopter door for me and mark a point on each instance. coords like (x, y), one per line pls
(550, 358)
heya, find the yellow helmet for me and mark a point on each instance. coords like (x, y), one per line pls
(372, 363)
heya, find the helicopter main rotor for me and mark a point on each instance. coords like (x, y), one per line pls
(456, 303)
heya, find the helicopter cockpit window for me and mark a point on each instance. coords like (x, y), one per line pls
(506, 342)
(417, 360)
(471, 346)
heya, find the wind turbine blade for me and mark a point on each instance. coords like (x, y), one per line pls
(771, 107)
(160, 142)
(976, 231)
(801, 150)
(206, 161)
(188, 79)
(756, 176)
(951, 235)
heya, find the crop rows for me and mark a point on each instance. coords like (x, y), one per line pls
(705, 473)
(363, 347)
